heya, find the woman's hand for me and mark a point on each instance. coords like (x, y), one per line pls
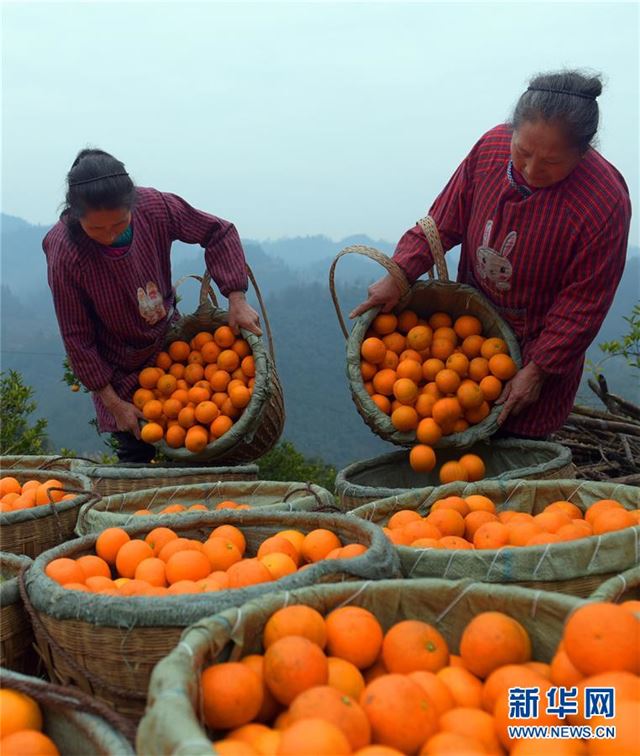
(521, 391)
(127, 417)
(384, 293)
(242, 315)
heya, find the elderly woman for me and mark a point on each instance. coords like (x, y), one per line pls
(109, 270)
(543, 221)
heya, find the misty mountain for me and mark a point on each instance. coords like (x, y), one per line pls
(310, 357)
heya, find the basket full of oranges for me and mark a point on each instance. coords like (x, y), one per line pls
(429, 372)
(212, 394)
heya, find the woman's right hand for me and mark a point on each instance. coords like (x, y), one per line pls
(127, 416)
(384, 293)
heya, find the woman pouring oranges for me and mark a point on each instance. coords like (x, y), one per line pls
(543, 221)
(109, 270)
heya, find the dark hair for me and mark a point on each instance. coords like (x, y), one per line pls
(96, 181)
(567, 97)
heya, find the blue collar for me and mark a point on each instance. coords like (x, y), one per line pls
(523, 190)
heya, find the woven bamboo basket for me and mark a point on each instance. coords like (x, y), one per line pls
(172, 725)
(505, 459)
(134, 633)
(16, 635)
(118, 510)
(32, 531)
(31, 461)
(260, 425)
(108, 480)
(77, 724)
(574, 567)
(425, 298)
(622, 587)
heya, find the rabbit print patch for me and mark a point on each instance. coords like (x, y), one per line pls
(493, 266)
(150, 303)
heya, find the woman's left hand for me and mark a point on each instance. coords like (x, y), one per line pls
(242, 315)
(521, 391)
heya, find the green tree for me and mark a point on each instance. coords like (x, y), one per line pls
(17, 435)
(285, 462)
(629, 345)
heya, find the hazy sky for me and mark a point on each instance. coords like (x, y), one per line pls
(293, 118)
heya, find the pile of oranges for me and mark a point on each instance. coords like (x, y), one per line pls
(178, 508)
(433, 377)
(21, 726)
(474, 523)
(165, 564)
(197, 390)
(468, 469)
(32, 493)
(341, 685)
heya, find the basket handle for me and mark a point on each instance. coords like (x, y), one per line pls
(205, 287)
(394, 270)
(428, 225)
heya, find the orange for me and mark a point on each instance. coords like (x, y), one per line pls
(220, 426)
(446, 410)
(248, 366)
(394, 342)
(179, 351)
(603, 637)
(474, 466)
(241, 348)
(493, 346)
(187, 565)
(424, 405)
(28, 743)
(98, 584)
(200, 339)
(224, 337)
(405, 391)
(129, 556)
(383, 381)
(600, 506)
(611, 520)
(240, 396)
(451, 502)
(193, 373)
(465, 687)
(166, 384)
(248, 572)
(175, 436)
(428, 431)
(219, 380)
(345, 677)
(373, 350)
(391, 361)
(410, 370)
(563, 672)
(148, 378)
(418, 529)
(279, 545)
(64, 570)
(210, 352)
(402, 517)
(452, 744)
(152, 410)
(430, 389)
(477, 502)
(354, 634)
(384, 324)
(93, 566)
(459, 363)
(474, 520)
(411, 646)
(382, 403)
(431, 368)
(411, 354)
(400, 713)
(440, 320)
(452, 471)
(298, 620)
(491, 640)
(565, 506)
(491, 387)
(422, 458)
(521, 532)
(141, 397)
(109, 543)
(404, 418)
(318, 543)
(407, 320)
(231, 695)
(436, 690)
(550, 522)
(152, 571)
(442, 349)
(491, 535)
(445, 332)
(367, 370)
(196, 439)
(311, 736)
(9, 484)
(467, 325)
(470, 395)
(293, 664)
(448, 521)
(228, 360)
(477, 414)
(171, 408)
(505, 677)
(448, 381)
(479, 370)
(419, 337)
(206, 412)
(221, 553)
(177, 370)
(502, 366)
(233, 534)
(472, 346)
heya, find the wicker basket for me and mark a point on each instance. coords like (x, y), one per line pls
(33, 461)
(77, 724)
(505, 459)
(32, 531)
(134, 633)
(260, 425)
(171, 724)
(575, 567)
(118, 510)
(425, 298)
(16, 635)
(619, 588)
(108, 480)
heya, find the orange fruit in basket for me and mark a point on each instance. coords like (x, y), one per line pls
(220, 426)
(129, 556)
(152, 571)
(405, 391)
(224, 337)
(442, 349)
(64, 571)
(467, 325)
(373, 350)
(174, 545)
(240, 396)
(448, 521)
(193, 373)
(394, 342)
(477, 502)
(565, 506)
(109, 543)
(201, 392)
(220, 380)
(270, 706)
(479, 370)
(603, 637)
(474, 520)
(186, 417)
(419, 338)
(231, 695)
(411, 645)
(151, 433)
(472, 346)
(456, 503)
(520, 533)
(422, 458)
(452, 471)
(611, 520)
(563, 672)
(231, 533)
(318, 543)
(383, 381)
(171, 408)
(177, 371)
(431, 368)
(402, 517)
(418, 529)
(187, 565)
(436, 690)
(141, 397)
(228, 360)
(206, 412)
(210, 352)
(493, 346)
(491, 535)
(152, 410)
(279, 545)
(93, 566)
(470, 395)
(167, 384)
(505, 677)
(550, 522)
(474, 466)
(354, 634)
(148, 377)
(491, 640)
(448, 381)
(459, 363)
(367, 370)
(175, 436)
(446, 411)
(241, 348)
(308, 737)
(296, 619)
(445, 332)
(25, 742)
(248, 572)
(44, 494)
(400, 713)
(465, 687)
(390, 361)
(502, 366)
(424, 404)
(200, 339)
(384, 324)
(404, 418)
(382, 403)
(292, 665)
(474, 724)
(407, 320)
(196, 439)
(10, 485)
(179, 351)
(345, 677)
(440, 320)
(600, 506)
(477, 414)
(428, 431)
(491, 387)
(335, 707)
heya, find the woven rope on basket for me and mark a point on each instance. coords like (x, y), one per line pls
(625, 586)
(575, 567)
(134, 633)
(424, 297)
(16, 635)
(260, 426)
(32, 461)
(172, 723)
